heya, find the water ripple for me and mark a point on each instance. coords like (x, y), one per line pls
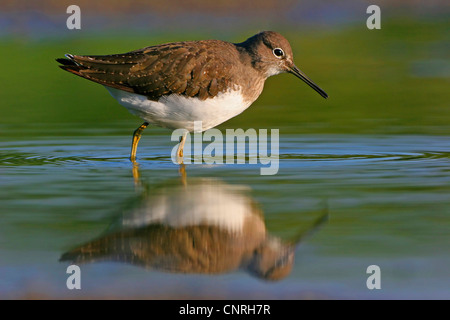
(29, 159)
(292, 148)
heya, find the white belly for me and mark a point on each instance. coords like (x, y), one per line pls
(175, 111)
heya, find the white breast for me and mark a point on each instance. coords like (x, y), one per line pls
(176, 111)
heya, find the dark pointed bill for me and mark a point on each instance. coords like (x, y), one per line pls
(296, 72)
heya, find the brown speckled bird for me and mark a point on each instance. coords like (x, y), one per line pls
(175, 84)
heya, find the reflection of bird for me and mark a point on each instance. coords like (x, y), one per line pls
(205, 227)
(172, 85)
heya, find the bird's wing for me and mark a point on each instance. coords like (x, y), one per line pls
(192, 69)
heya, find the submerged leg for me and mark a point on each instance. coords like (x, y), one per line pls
(180, 148)
(136, 137)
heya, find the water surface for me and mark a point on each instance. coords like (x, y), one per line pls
(338, 204)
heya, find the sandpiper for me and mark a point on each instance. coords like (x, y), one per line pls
(175, 84)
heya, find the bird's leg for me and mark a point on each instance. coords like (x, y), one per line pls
(180, 148)
(136, 137)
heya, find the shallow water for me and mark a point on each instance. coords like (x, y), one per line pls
(338, 204)
(363, 178)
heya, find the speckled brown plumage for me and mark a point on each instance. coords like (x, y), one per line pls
(192, 69)
(173, 85)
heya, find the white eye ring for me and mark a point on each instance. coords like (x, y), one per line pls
(278, 52)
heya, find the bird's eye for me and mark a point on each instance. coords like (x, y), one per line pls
(278, 52)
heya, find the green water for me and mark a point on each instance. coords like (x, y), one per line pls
(373, 160)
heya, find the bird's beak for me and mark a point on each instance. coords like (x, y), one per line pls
(296, 72)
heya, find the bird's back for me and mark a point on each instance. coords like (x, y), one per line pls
(191, 69)
(173, 85)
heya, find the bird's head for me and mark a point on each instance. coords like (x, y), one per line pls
(272, 54)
